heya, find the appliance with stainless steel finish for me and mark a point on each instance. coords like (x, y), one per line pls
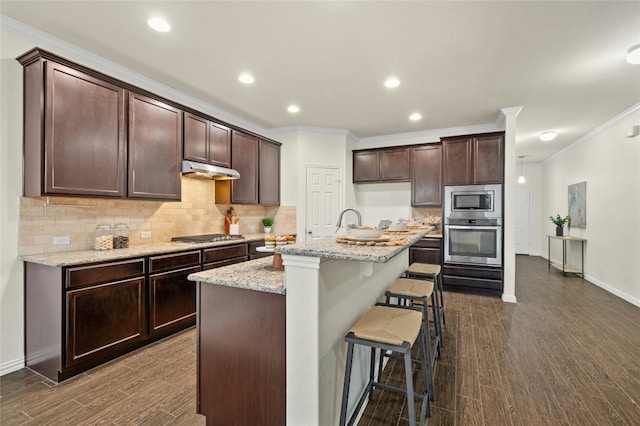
(473, 225)
(209, 171)
(473, 242)
(473, 202)
(208, 238)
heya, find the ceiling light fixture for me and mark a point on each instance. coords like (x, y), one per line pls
(246, 78)
(415, 116)
(548, 136)
(633, 56)
(159, 25)
(392, 82)
(293, 109)
(521, 179)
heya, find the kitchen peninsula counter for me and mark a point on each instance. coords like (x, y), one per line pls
(274, 341)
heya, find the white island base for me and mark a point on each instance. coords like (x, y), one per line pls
(325, 297)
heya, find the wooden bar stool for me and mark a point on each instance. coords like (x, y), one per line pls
(394, 329)
(418, 293)
(433, 272)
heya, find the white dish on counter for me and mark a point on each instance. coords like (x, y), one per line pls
(366, 232)
(366, 239)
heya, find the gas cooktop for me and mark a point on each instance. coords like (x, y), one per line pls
(209, 238)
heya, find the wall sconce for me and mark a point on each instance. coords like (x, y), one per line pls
(521, 179)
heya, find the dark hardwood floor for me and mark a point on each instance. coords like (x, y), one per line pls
(568, 353)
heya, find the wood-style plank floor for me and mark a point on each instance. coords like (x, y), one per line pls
(568, 353)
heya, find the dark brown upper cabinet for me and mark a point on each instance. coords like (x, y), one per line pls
(258, 162)
(475, 159)
(206, 141)
(269, 169)
(74, 131)
(155, 138)
(426, 175)
(381, 165)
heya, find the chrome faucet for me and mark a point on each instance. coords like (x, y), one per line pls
(339, 224)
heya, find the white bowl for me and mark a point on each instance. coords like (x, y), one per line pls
(366, 233)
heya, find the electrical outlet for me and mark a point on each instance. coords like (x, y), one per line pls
(59, 241)
(145, 234)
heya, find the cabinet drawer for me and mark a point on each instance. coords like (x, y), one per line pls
(225, 252)
(428, 243)
(225, 262)
(174, 261)
(98, 274)
(425, 255)
(253, 245)
(473, 272)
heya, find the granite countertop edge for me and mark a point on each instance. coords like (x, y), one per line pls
(328, 248)
(81, 257)
(254, 275)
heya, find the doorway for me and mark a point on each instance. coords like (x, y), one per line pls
(322, 201)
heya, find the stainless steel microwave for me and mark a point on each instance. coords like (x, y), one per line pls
(473, 202)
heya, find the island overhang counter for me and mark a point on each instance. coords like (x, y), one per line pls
(327, 286)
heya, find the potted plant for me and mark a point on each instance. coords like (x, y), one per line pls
(559, 221)
(267, 222)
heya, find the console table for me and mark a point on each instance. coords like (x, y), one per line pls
(566, 269)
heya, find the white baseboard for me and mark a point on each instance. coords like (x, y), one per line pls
(11, 366)
(593, 280)
(509, 299)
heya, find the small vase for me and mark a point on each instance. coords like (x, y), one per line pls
(559, 231)
(267, 229)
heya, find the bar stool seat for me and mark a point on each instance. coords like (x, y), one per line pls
(420, 291)
(396, 329)
(424, 268)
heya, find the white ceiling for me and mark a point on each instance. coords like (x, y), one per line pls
(459, 62)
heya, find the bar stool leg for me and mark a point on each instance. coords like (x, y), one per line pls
(347, 382)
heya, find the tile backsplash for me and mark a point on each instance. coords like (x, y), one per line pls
(195, 214)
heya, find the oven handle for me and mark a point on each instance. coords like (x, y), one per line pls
(480, 227)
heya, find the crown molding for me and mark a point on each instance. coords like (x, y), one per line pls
(105, 66)
(311, 129)
(432, 135)
(504, 112)
(595, 132)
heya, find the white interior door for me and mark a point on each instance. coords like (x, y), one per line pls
(323, 201)
(523, 220)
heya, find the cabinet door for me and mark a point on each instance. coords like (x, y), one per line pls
(457, 161)
(104, 319)
(172, 301)
(269, 182)
(394, 164)
(366, 166)
(244, 159)
(488, 159)
(84, 134)
(196, 137)
(155, 131)
(219, 145)
(426, 175)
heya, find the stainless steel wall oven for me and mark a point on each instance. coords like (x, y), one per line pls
(473, 225)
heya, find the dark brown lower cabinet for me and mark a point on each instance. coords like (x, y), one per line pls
(472, 279)
(241, 356)
(172, 301)
(104, 319)
(426, 250)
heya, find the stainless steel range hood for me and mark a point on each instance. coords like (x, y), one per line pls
(208, 171)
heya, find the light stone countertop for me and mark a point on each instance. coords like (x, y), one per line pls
(83, 257)
(255, 275)
(330, 249)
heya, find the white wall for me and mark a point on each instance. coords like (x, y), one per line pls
(384, 201)
(610, 164)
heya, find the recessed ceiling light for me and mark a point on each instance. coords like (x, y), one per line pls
(392, 82)
(415, 116)
(633, 57)
(246, 78)
(159, 24)
(547, 136)
(293, 109)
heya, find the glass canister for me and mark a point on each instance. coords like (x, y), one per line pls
(104, 237)
(121, 236)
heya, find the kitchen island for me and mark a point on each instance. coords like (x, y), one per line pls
(327, 287)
